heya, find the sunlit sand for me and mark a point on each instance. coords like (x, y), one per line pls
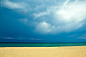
(74, 51)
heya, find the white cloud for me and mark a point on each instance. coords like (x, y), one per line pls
(9, 38)
(68, 17)
(40, 14)
(28, 22)
(44, 27)
(82, 37)
(74, 11)
(16, 5)
(35, 39)
(20, 38)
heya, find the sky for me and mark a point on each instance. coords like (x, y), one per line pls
(42, 20)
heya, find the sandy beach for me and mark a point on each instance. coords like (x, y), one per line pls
(73, 51)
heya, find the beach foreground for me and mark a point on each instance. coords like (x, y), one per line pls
(73, 51)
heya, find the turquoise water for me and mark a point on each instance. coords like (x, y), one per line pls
(40, 44)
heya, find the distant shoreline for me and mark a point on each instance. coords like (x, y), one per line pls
(40, 44)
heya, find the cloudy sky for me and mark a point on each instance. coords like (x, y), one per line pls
(42, 20)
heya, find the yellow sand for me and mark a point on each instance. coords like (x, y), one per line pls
(75, 51)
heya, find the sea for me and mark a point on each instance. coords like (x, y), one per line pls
(15, 44)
